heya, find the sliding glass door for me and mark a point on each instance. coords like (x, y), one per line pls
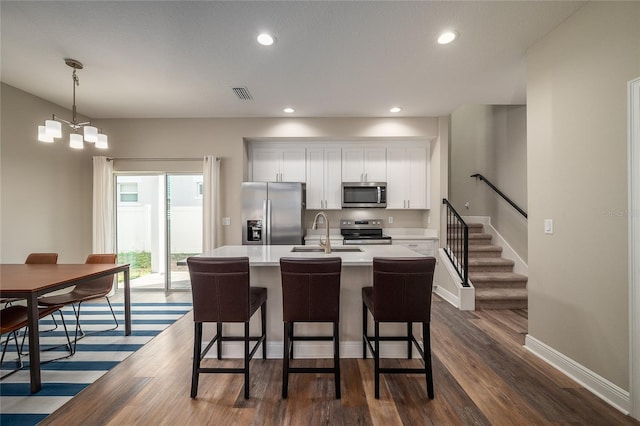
(159, 224)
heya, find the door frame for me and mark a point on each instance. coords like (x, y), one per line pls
(634, 245)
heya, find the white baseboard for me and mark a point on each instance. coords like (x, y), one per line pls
(448, 296)
(598, 385)
(304, 350)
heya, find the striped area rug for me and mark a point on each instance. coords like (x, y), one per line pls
(95, 355)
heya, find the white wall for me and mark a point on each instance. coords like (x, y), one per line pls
(58, 180)
(577, 176)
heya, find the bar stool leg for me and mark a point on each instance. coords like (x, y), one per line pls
(219, 345)
(197, 344)
(285, 362)
(426, 339)
(364, 331)
(263, 319)
(376, 359)
(409, 342)
(336, 357)
(246, 360)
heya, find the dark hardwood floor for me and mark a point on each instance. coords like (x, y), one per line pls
(482, 376)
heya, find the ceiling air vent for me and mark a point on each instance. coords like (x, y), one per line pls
(242, 93)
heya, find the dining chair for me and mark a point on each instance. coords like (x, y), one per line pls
(401, 292)
(15, 317)
(310, 294)
(34, 258)
(222, 294)
(91, 290)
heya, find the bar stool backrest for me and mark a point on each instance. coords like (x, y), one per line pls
(402, 288)
(311, 289)
(220, 288)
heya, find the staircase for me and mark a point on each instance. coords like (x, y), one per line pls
(496, 285)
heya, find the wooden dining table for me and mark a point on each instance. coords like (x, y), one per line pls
(29, 281)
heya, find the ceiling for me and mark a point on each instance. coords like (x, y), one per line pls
(331, 59)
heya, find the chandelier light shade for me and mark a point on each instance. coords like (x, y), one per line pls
(75, 141)
(52, 129)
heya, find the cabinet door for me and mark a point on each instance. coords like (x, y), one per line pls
(396, 179)
(315, 178)
(333, 178)
(375, 165)
(293, 166)
(266, 164)
(416, 172)
(352, 165)
(364, 165)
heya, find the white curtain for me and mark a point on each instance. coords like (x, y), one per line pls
(210, 204)
(103, 236)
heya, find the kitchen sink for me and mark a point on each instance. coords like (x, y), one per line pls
(317, 249)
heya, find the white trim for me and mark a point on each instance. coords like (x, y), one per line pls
(634, 245)
(465, 300)
(601, 387)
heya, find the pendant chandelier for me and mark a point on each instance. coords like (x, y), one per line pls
(52, 129)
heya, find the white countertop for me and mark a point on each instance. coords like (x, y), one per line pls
(270, 255)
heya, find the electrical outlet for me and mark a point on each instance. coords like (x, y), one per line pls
(226, 221)
(390, 219)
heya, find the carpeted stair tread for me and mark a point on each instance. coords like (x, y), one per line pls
(490, 264)
(494, 261)
(501, 294)
(484, 250)
(497, 277)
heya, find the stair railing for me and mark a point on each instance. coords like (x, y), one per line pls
(457, 244)
(500, 193)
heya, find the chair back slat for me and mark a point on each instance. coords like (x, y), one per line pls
(220, 288)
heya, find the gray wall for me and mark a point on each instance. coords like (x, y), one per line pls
(491, 140)
(46, 188)
(577, 176)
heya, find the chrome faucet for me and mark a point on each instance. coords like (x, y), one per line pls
(327, 242)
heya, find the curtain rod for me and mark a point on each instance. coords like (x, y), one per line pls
(161, 159)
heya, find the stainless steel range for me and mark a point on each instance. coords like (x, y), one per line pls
(361, 232)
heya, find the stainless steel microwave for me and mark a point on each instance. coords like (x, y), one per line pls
(364, 194)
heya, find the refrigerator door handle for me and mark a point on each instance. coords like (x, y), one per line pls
(266, 213)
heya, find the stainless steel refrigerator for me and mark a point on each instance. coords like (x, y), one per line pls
(273, 213)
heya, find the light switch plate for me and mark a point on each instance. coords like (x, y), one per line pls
(548, 226)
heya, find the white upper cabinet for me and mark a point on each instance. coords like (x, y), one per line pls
(324, 179)
(364, 165)
(407, 178)
(324, 166)
(278, 164)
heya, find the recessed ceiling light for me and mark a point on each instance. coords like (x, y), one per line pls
(289, 110)
(447, 37)
(395, 109)
(266, 39)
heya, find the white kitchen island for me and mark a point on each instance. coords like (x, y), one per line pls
(356, 273)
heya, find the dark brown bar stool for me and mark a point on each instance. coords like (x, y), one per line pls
(221, 293)
(310, 293)
(401, 292)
